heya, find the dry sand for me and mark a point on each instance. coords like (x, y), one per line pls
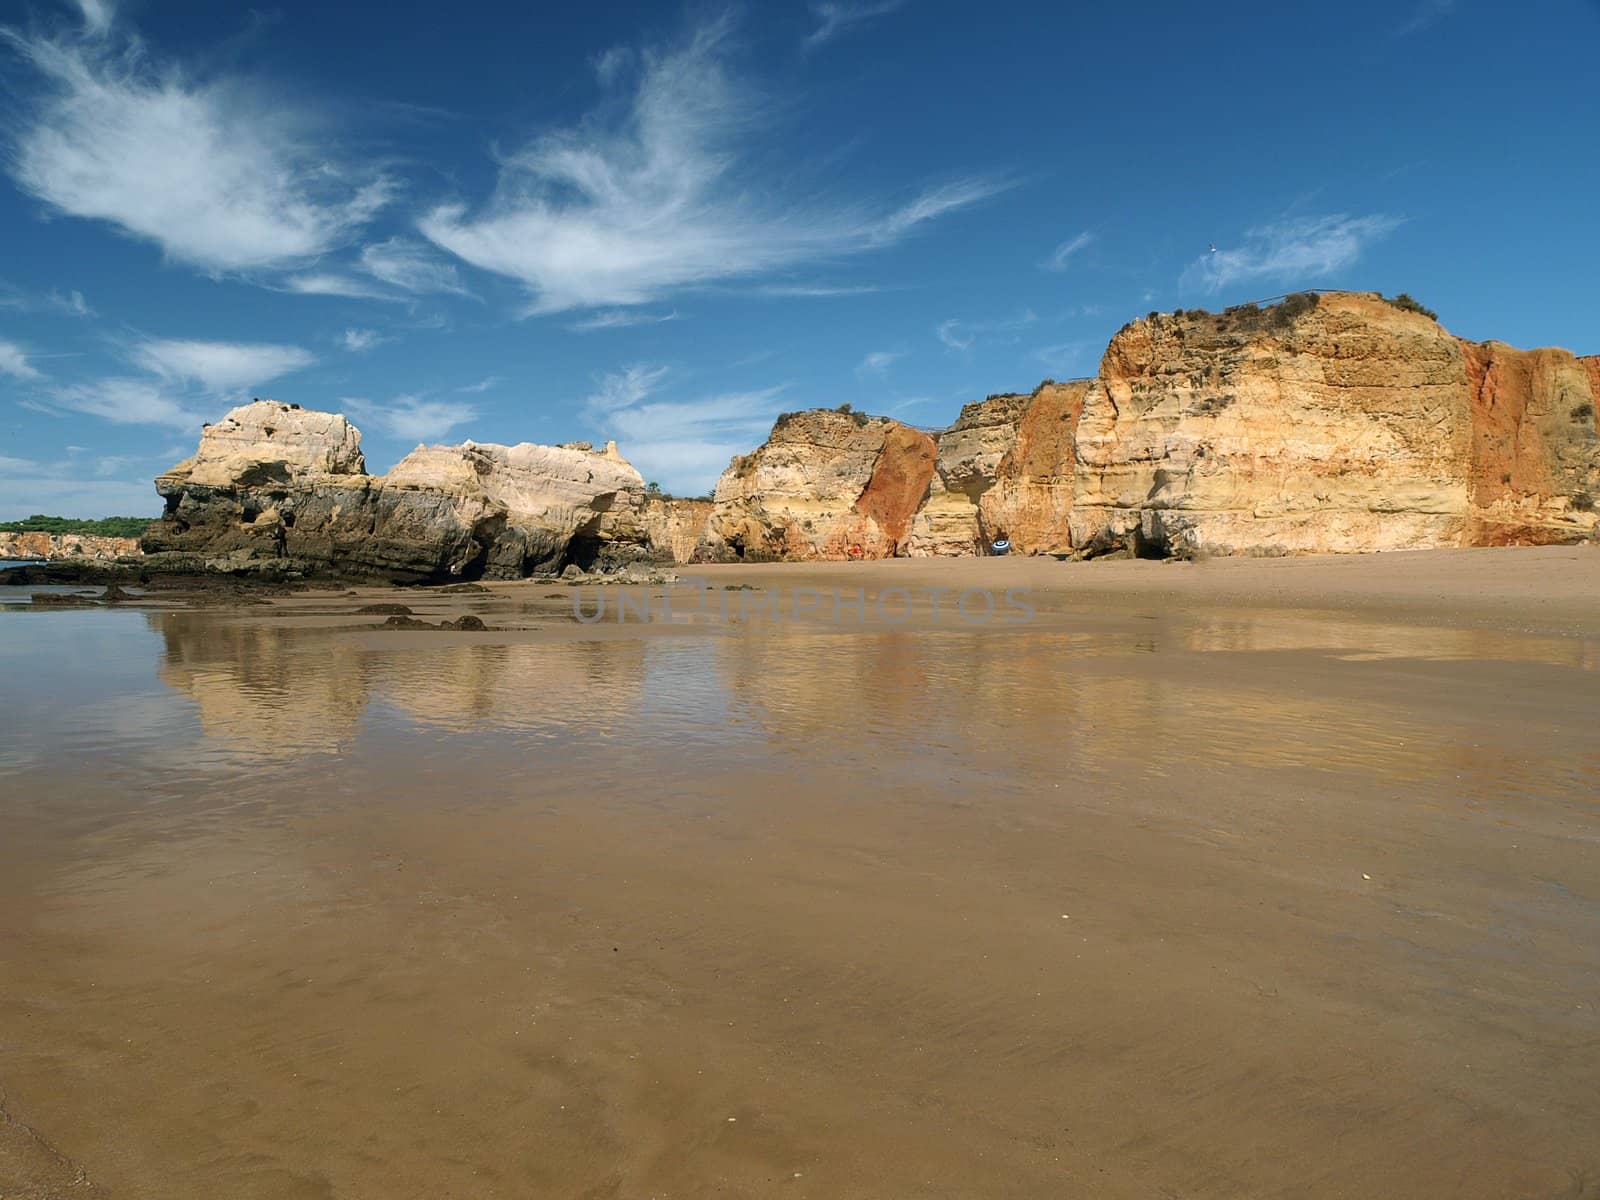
(1248, 878)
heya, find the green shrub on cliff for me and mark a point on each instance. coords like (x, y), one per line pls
(104, 527)
(1404, 302)
(1294, 307)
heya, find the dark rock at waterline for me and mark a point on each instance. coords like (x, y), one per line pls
(466, 624)
(62, 600)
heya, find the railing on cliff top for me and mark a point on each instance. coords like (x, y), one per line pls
(1286, 295)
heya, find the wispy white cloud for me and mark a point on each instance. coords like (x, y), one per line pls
(27, 488)
(618, 212)
(954, 335)
(82, 484)
(835, 18)
(1297, 248)
(1067, 359)
(483, 385)
(811, 291)
(220, 366)
(878, 362)
(189, 382)
(358, 341)
(219, 177)
(683, 445)
(1427, 14)
(411, 266)
(946, 198)
(70, 302)
(411, 418)
(132, 402)
(14, 362)
(97, 16)
(618, 318)
(620, 389)
(1062, 254)
(961, 336)
(329, 284)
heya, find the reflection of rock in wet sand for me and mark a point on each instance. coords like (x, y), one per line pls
(520, 685)
(266, 689)
(283, 691)
(1218, 693)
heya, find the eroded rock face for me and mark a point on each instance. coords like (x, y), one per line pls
(1005, 469)
(1534, 475)
(49, 547)
(266, 442)
(1343, 428)
(1031, 500)
(1331, 425)
(951, 521)
(1321, 425)
(527, 506)
(825, 485)
(303, 500)
(672, 528)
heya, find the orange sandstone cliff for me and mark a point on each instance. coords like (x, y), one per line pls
(827, 484)
(1325, 424)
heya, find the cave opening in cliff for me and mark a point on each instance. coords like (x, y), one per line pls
(1147, 548)
(583, 551)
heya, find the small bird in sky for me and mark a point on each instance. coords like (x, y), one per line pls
(1213, 247)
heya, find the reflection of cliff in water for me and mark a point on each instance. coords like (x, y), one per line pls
(539, 686)
(1281, 693)
(266, 689)
(280, 691)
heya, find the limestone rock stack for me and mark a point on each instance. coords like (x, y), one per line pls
(826, 484)
(1005, 468)
(951, 520)
(276, 483)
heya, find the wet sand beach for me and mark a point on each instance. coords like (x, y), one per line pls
(1243, 878)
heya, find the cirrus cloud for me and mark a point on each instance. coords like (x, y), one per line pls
(219, 177)
(1291, 249)
(220, 366)
(620, 212)
(14, 362)
(681, 444)
(411, 418)
(1063, 253)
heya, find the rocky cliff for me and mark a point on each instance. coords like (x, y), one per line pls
(1004, 469)
(1329, 424)
(1332, 423)
(48, 547)
(273, 484)
(828, 484)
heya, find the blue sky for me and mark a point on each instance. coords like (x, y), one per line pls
(665, 224)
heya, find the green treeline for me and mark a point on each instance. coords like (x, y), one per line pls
(104, 527)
